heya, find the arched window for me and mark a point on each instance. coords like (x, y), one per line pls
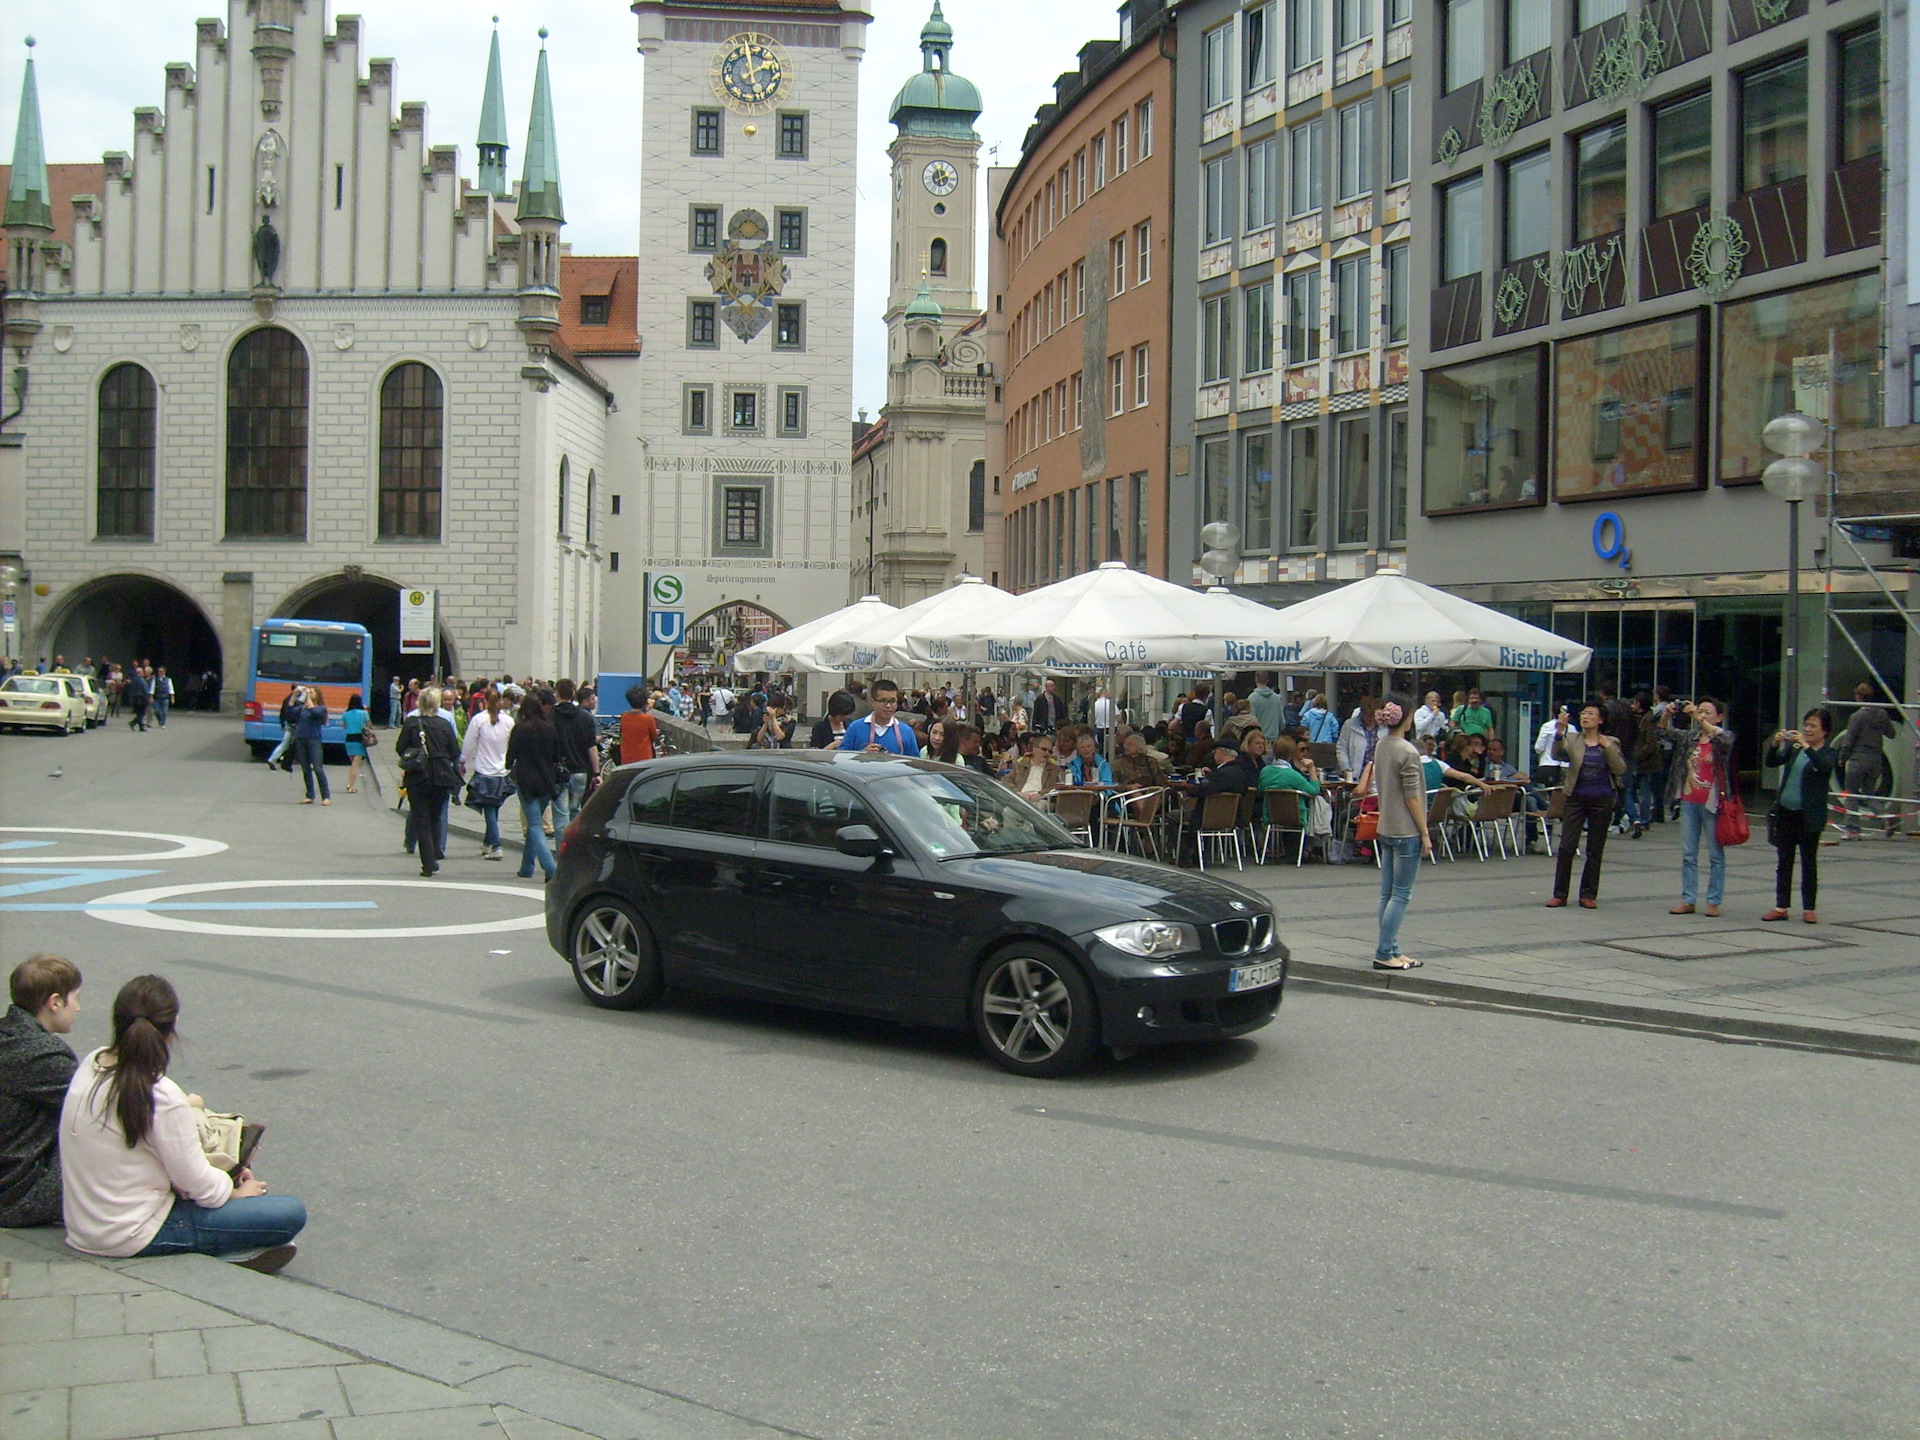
(564, 471)
(267, 436)
(593, 497)
(937, 258)
(124, 483)
(411, 412)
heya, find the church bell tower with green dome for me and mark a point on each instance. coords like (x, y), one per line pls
(936, 163)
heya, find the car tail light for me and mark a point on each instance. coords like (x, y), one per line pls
(566, 835)
(254, 710)
(49, 704)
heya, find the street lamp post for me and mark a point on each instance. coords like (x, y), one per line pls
(1792, 478)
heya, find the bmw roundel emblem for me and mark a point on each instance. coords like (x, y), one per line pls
(1236, 905)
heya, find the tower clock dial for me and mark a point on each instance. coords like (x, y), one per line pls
(939, 177)
(751, 73)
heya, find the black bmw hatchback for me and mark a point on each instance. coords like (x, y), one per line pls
(905, 889)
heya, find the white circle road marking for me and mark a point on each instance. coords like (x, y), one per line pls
(152, 920)
(189, 847)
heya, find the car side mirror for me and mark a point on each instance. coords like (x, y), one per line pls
(860, 840)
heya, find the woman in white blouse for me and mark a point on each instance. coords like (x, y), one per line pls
(135, 1179)
(483, 763)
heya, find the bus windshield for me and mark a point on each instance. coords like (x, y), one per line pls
(316, 656)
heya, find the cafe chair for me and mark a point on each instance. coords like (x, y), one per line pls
(1284, 813)
(1220, 824)
(1325, 757)
(1494, 813)
(1074, 810)
(1440, 821)
(1552, 817)
(1136, 820)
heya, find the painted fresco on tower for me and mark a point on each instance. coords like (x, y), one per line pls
(747, 273)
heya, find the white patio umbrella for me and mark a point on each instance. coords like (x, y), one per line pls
(882, 642)
(1390, 622)
(1122, 619)
(793, 649)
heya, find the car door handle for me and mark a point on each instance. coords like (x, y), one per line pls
(773, 882)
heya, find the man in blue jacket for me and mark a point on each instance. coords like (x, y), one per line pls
(882, 729)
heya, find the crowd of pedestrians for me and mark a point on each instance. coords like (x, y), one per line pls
(143, 690)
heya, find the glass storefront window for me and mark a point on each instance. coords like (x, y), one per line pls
(1773, 358)
(1484, 433)
(1628, 417)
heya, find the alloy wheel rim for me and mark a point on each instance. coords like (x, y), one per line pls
(1029, 1012)
(606, 952)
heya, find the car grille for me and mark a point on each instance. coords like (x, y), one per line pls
(1233, 1011)
(1243, 937)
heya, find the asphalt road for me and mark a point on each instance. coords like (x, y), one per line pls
(1374, 1218)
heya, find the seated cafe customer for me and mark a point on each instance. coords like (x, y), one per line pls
(36, 1066)
(1087, 766)
(1036, 774)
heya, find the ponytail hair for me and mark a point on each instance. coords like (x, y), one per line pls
(144, 1013)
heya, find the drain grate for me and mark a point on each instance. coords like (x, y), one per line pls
(1715, 944)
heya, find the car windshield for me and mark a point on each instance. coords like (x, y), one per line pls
(319, 656)
(956, 813)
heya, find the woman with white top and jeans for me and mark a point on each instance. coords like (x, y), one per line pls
(1403, 840)
(134, 1179)
(483, 764)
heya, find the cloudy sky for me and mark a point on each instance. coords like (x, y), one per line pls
(98, 59)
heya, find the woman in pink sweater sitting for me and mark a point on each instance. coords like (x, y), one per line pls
(135, 1179)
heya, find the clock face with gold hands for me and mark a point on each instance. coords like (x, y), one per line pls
(751, 73)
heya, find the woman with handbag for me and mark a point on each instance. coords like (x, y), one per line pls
(354, 720)
(1703, 785)
(483, 762)
(1799, 814)
(429, 756)
(533, 762)
(134, 1178)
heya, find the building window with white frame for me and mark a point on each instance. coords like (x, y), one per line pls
(696, 409)
(1353, 21)
(1142, 376)
(1462, 229)
(1256, 334)
(1394, 307)
(1122, 149)
(1216, 338)
(1143, 129)
(1216, 50)
(793, 410)
(1257, 41)
(1303, 33)
(1352, 282)
(1260, 176)
(1077, 384)
(1303, 316)
(742, 516)
(1079, 287)
(1142, 253)
(1400, 134)
(1216, 201)
(1117, 264)
(744, 412)
(1303, 193)
(1353, 150)
(1079, 177)
(1116, 384)
(1099, 150)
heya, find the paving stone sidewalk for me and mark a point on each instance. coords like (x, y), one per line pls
(1482, 929)
(191, 1348)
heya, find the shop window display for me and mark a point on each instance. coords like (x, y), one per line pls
(1627, 410)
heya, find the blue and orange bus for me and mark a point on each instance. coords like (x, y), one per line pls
(331, 655)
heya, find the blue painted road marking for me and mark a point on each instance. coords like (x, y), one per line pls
(64, 879)
(204, 905)
(25, 844)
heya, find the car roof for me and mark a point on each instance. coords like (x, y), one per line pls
(849, 764)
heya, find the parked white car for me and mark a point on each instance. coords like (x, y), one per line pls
(96, 700)
(44, 702)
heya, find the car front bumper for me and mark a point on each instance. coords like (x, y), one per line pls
(1162, 1002)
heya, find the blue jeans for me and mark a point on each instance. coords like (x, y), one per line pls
(160, 707)
(536, 847)
(1641, 801)
(567, 803)
(491, 814)
(1399, 868)
(312, 764)
(1697, 821)
(286, 742)
(252, 1223)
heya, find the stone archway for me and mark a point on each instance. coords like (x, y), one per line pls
(357, 598)
(727, 627)
(130, 616)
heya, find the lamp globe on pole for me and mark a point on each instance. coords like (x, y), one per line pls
(1792, 478)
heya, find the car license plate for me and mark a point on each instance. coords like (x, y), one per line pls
(1255, 977)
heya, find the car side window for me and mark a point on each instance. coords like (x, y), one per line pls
(651, 800)
(718, 802)
(808, 809)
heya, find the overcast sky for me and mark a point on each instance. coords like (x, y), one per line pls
(98, 59)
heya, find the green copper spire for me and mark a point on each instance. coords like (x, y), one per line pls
(29, 198)
(936, 101)
(924, 306)
(540, 176)
(493, 125)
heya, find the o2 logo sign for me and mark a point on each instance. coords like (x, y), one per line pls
(1610, 539)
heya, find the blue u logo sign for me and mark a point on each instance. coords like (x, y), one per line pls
(1610, 539)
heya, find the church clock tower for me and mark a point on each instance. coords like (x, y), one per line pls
(936, 161)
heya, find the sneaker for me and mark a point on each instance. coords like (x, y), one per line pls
(484, 852)
(270, 1261)
(493, 854)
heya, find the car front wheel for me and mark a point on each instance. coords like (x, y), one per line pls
(614, 962)
(1034, 1012)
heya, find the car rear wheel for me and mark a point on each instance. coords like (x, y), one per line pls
(1034, 1012)
(614, 961)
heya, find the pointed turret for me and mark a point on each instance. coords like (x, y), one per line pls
(540, 176)
(936, 101)
(924, 306)
(29, 200)
(493, 126)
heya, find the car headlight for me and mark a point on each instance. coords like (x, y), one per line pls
(1151, 938)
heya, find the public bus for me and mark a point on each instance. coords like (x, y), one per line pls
(331, 655)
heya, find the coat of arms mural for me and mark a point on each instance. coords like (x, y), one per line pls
(747, 273)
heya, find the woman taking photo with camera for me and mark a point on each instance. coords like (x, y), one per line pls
(1799, 815)
(134, 1178)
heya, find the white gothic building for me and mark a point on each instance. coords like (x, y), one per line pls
(281, 358)
(734, 419)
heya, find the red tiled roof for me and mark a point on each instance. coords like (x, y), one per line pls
(66, 182)
(872, 438)
(617, 279)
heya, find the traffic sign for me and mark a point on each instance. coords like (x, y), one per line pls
(666, 591)
(666, 627)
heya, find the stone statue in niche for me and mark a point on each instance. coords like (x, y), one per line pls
(266, 249)
(266, 159)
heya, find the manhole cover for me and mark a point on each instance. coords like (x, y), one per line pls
(1718, 943)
